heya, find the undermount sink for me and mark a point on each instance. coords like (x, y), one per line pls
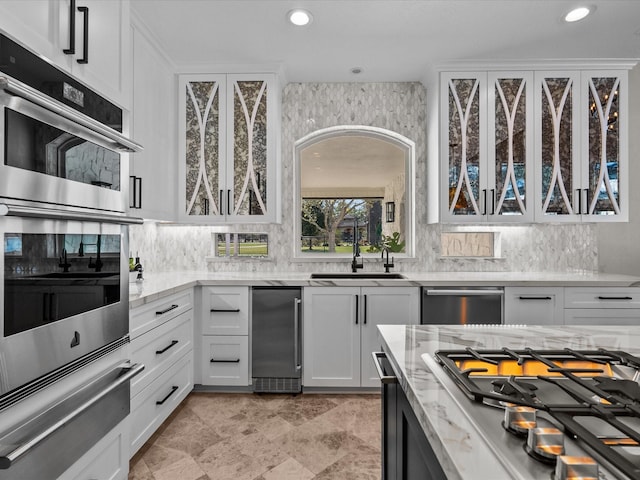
(349, 275)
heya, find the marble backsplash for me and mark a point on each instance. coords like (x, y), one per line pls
(400, 107)
(530, 248)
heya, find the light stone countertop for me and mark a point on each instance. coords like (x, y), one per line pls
(156, 285)
(462, 451)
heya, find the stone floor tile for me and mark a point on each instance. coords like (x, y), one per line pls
(364, 465)
(218, 436)
(287, 470)
(183, 469)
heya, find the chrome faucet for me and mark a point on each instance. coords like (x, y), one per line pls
(355, 265)
(386, 264)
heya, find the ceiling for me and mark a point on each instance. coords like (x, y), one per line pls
(390, 40)
(350, 166)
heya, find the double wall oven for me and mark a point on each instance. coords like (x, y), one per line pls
(64, 373)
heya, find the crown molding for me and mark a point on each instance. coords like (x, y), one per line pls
(539, 64)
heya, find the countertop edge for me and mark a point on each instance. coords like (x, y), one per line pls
(157, 285)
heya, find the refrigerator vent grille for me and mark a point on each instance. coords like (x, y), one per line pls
(276, 385)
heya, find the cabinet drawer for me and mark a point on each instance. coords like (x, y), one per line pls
(225, 310)
(148, 316)
(602, 316)
(597, 297)
(533, 306)
(225, 360)
(161, 347)
(155, 403)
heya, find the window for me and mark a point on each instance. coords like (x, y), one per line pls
(345, 176)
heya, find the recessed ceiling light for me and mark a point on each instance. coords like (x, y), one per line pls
(576, 14)
(299, 17)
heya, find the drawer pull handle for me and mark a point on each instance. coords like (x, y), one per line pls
(173, 343)
(614, 298)
(225, 310)
(213, 360)
(168, 309)
(174, 389)
(535, 298)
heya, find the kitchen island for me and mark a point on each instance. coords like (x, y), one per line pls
(462, 448)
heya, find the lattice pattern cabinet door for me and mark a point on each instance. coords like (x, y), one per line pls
(229, 141)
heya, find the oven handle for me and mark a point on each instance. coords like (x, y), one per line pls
(14, 455)
(383, 378)
(15, 87)
(460, 293)
(7, 209)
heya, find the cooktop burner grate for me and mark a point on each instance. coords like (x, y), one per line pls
(576, 388)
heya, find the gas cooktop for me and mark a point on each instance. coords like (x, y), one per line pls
(554, 413)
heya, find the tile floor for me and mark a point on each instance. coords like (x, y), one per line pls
(215, 436)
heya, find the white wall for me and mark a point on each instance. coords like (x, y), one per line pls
(619, 243)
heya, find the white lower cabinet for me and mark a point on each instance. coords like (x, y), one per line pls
(225, 360)
(224, 336)
(162, 333)
(596, 316)
(602, 306)
(155, 403)
(340, 331)
(107, 460)
(533, 305)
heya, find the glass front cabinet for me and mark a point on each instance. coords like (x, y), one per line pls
(228, 147)
(534, 146)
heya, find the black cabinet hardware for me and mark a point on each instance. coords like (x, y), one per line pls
(173, 390)
(168, 309)
(173, 343)
(579, 192)
(205, 203)
(357, 308)
(364, 308)
(135, 184)
(72, 29)
(534, 298)
(220, 202)
(493, 201)
(614, 298)
(85, 38)
(225, 310)
(229, 202)
(213, 360)
(484, 206)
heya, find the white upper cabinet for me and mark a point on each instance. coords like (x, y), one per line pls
(228, 142)
(487, 146)
(581, 146)
(545, 146)
(88, 38)
(34, 24)
(103, 46)
(153, 172)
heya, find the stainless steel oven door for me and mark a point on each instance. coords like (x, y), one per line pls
(47, 157)
(64, 294)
